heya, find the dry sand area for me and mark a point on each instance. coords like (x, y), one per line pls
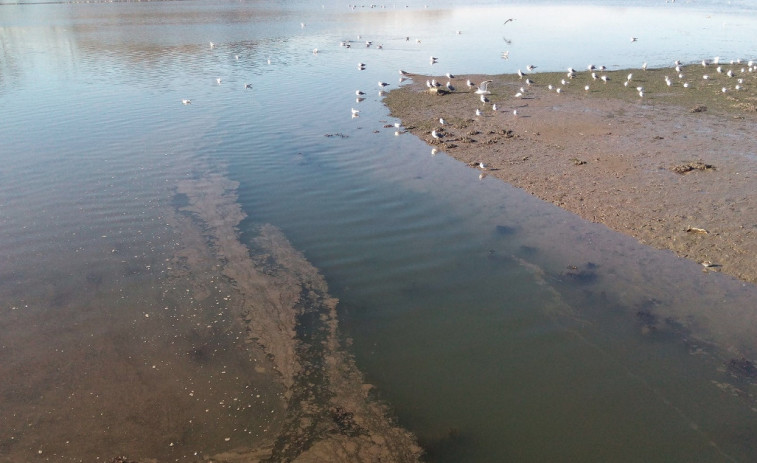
(676, 167)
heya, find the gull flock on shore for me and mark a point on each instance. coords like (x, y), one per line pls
(726, 76)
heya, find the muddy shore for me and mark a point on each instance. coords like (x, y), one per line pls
(676, 167)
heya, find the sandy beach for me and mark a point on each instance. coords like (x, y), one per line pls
(675, 168)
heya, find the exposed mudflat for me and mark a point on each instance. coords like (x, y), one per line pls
(675, 168)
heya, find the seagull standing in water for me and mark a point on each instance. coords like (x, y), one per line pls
(382, 84)
(186, 102)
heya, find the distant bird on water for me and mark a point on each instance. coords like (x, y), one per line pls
(382, 84)
(186, 101)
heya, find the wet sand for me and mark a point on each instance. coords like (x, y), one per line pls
(676, 168)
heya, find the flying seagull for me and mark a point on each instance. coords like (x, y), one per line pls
(483, 88)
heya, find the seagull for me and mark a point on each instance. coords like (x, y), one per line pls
(186, 101)
(521, 74)
(450, 76)
(586, 87)
(518, 95)
(509, 20)
(484, 99)
(361, 66)
(634, 39)
(483, 88)
(212, 45)
(515, 112)
(433, 59)
(435, 134)
(478, 112)
(644, 66)
(355, 112)
(604, 78)
(479, 164)
(359, 93)
(530, 67)
(218, 80)
(428, 84)
(629, 77)
(382, 84)
(450, 87)
(470, 84)
(441, 120)
(529, 81)
(247, 85)
(559, 90)
(315, 51)
(404, 73)
(494, 107)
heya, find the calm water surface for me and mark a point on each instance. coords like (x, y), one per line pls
(498, 327)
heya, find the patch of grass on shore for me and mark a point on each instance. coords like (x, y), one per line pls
(699, 94)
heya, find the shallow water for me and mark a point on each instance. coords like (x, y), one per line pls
(498, 327)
